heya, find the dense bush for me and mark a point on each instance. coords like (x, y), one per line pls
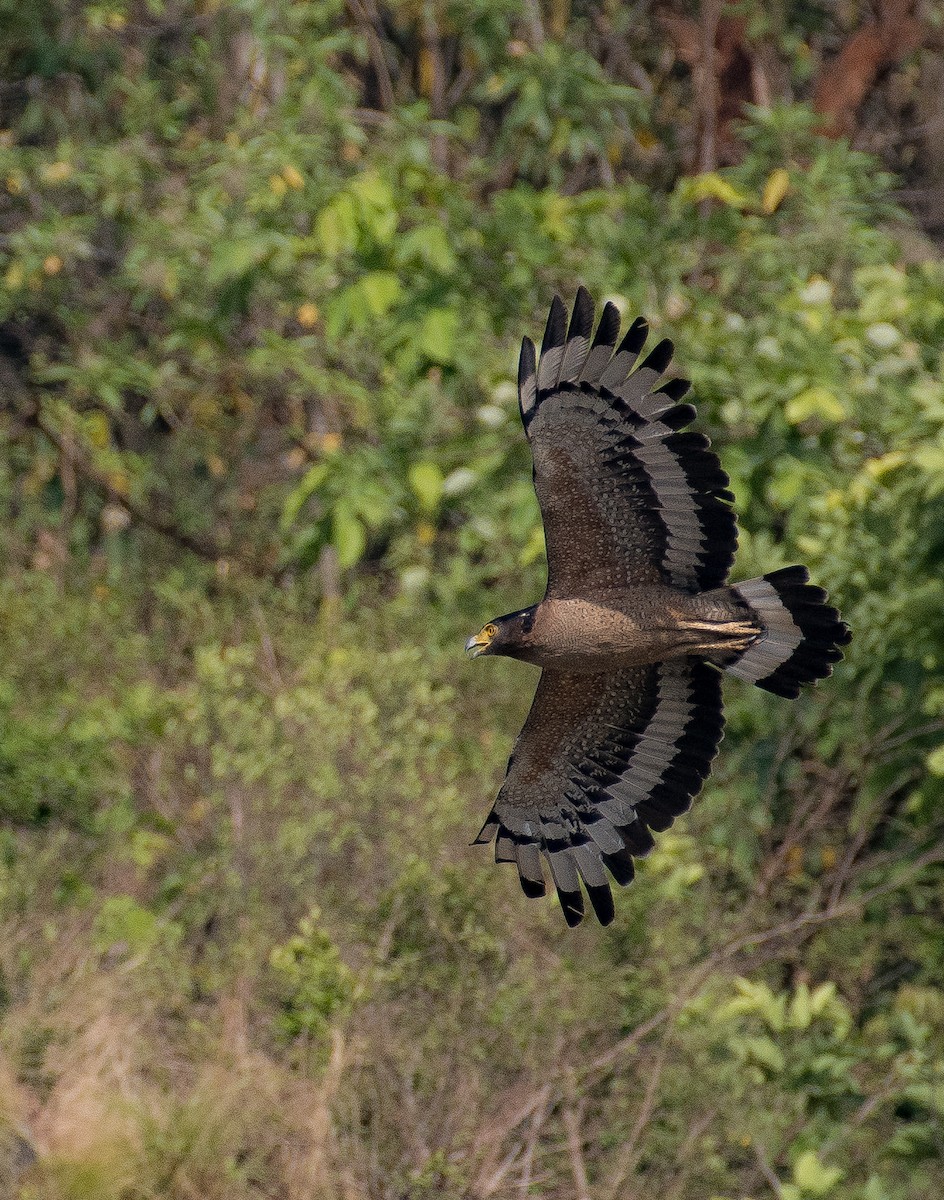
(261, 289)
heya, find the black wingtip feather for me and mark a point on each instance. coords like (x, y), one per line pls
(658, 357)
(527, 361)
(572, 906)
(608, 328)
(620, 866)
(601, 900)
(675, 389)
(678, 416)
(581, 319)
(555, 331)
(635, 337)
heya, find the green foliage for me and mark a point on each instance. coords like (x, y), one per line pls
(318, 988)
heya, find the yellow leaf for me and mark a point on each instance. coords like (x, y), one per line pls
(712, 186)
(293, 177)
(57, 172)
(52, 264)
(98, 430)
(14, 183)
(776, 187)
(118, 481)
(307, 314)
(14, 276)
(877, 467)
(277, 185)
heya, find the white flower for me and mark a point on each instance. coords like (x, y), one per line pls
(817, 291)
(414, 578)
(459, 481)
(491, 415)
(504, 392)
(882, 335)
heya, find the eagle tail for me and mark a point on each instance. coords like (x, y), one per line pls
(800, 634)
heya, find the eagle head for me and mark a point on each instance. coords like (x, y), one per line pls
(509, 635)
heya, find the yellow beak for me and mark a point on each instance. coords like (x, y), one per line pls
(477, 645)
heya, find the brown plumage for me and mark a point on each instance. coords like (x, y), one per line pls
(637, 620)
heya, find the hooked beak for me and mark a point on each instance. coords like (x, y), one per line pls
(477, 645)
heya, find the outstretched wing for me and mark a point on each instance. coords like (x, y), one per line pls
(626, 498)
(601, 761)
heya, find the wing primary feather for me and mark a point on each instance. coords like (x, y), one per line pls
(675, 389)
(620, 866)
(572, 906)
(658, 357)
(552, 347)
(601, 898)
(578, 338)
(527, 380)
(488, 830)
(604, 343)
(529, 869)
(505, 847)
(626, 354)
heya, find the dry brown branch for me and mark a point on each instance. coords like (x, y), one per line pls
(631, 1152)
(766, 1170)
(527, 1160)
(573, 1120)
(149, 516)
(695, 1131)
(846, 80)
(524, 1103)
(700, 971)
(368, 21)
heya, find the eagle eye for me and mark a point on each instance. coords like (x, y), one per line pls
(490, 630)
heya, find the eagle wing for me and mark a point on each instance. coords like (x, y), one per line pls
(600, 762)
(626, 498)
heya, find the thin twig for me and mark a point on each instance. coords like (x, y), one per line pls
(147, 515)
(701, 970)
(572, 1116)
(763, 1165)
(631, 1151)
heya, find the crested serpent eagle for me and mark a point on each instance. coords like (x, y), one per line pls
(638, 620)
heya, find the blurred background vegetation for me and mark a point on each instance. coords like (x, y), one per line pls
(264, 266)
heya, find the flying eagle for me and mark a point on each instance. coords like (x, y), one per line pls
(638, 620)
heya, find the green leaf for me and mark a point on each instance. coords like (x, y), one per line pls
(336, 226)
(935, 761)
(348, 536)
(712, 186)
(437, 335)
(426, 480)
(381, 289)
(766, 1052)
(801, 1009)
(309, 483)
(815, 402)
(232, 259)
(813, 1177)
